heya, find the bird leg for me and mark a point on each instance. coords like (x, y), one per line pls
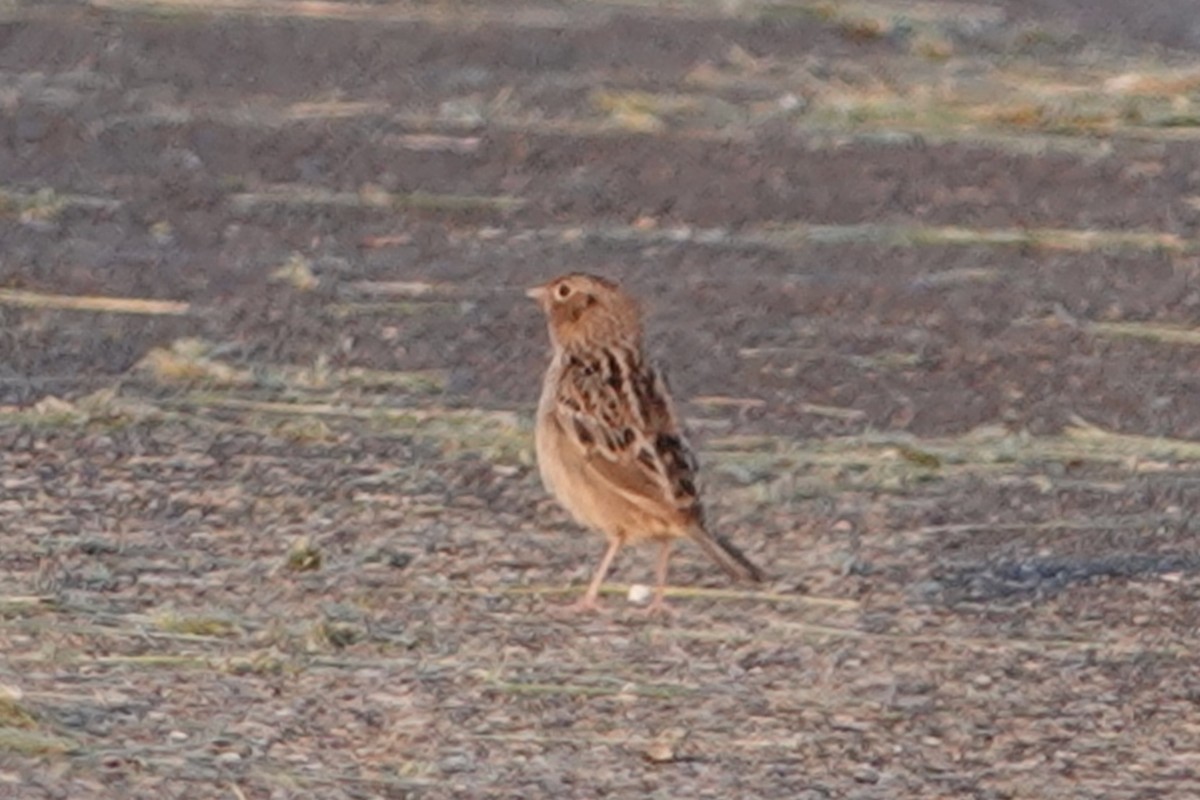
(657, 605)
(588, 603)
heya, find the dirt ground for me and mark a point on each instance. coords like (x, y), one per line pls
(926, 277)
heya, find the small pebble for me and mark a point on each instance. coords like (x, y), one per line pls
(865, 774)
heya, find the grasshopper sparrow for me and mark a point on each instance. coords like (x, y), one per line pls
(609, 446)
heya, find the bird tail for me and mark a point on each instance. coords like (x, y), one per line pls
(726, 555)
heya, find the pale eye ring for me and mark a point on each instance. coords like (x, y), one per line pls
(563, 292)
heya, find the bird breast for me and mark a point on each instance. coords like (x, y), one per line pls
(592, 501)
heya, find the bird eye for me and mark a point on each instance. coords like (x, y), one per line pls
(564, 291)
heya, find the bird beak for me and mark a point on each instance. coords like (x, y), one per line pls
(537, 293)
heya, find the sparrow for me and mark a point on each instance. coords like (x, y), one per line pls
(610, 447)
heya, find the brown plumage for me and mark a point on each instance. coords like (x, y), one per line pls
(609, 446)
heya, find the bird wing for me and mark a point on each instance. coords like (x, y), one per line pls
(617, 411)
(616, 408)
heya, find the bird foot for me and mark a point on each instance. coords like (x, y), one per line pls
(659, 609)
(587, 605)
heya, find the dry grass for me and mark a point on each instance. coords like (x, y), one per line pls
(296, 272)
(301, 196)
(363, 12)
(795, 236)
(31, 743)
(104, 305)
(1165, 334)
(45, 204)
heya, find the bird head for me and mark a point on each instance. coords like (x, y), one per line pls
(586, 309)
